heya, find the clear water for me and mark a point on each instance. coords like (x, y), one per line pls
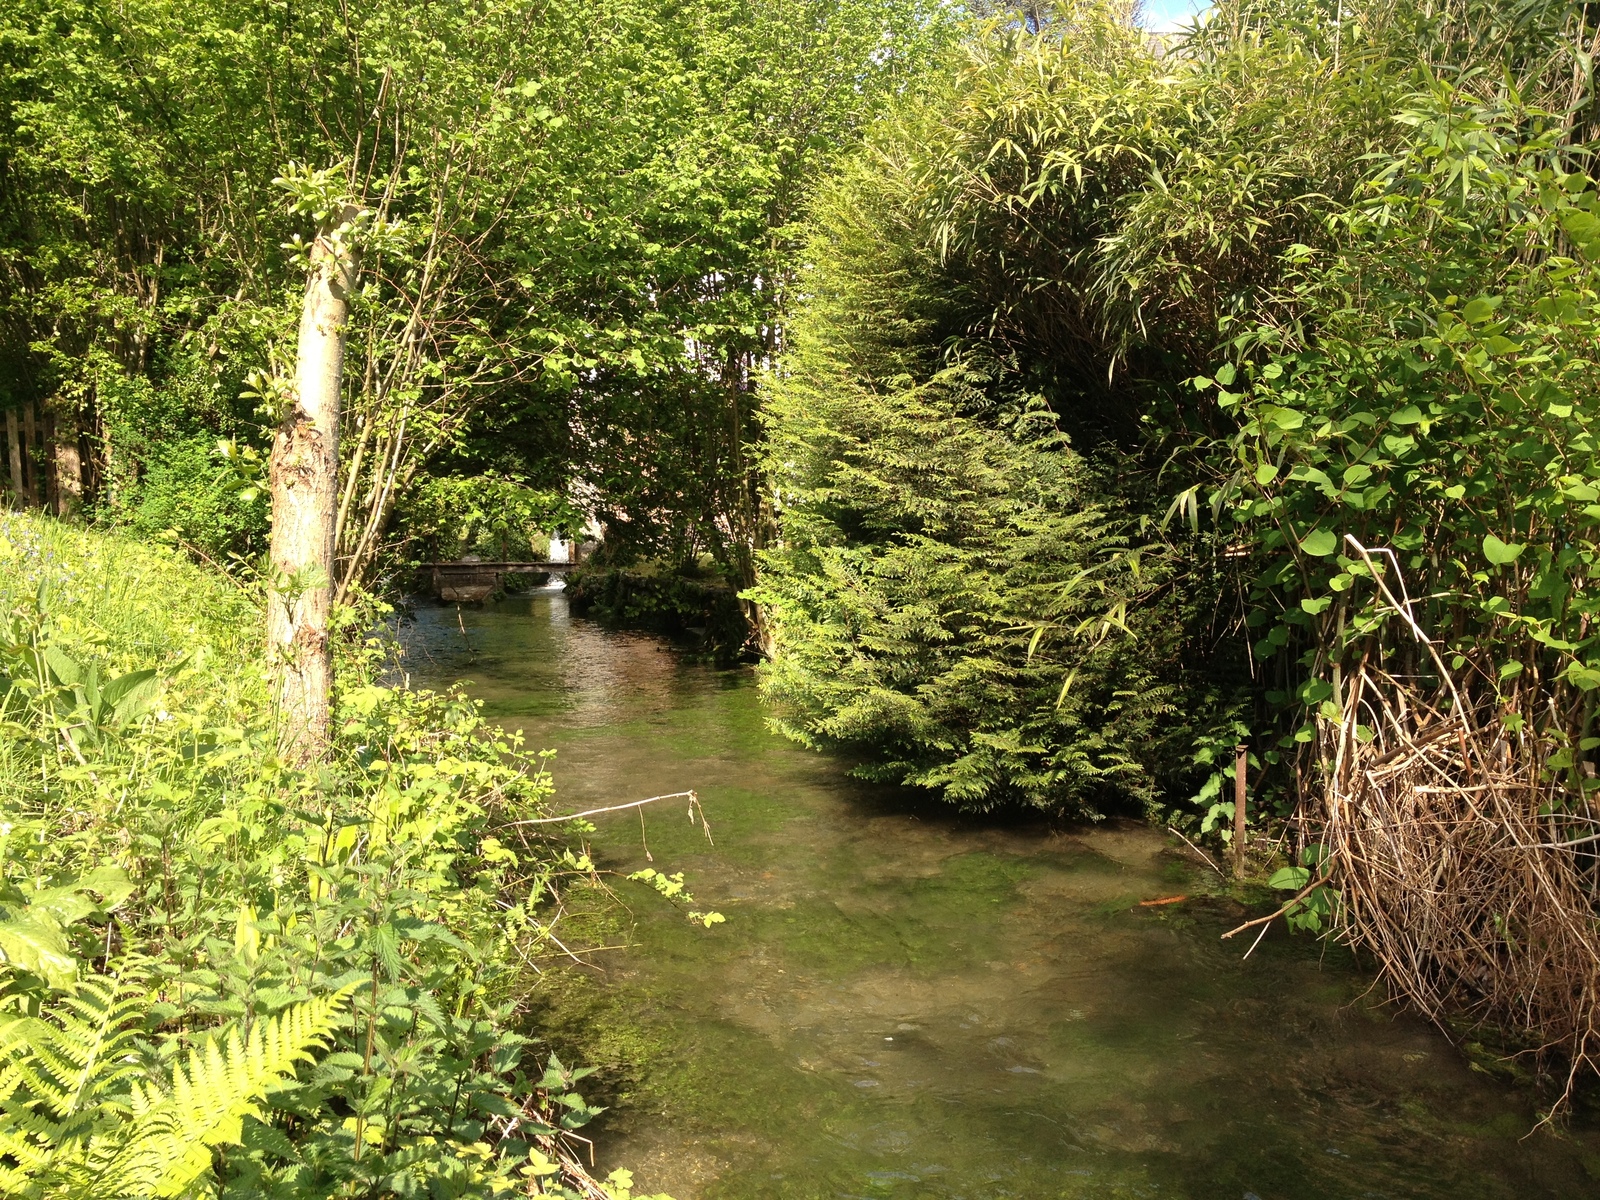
(907, 1004)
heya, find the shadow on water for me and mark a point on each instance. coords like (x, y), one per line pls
(906, 1003)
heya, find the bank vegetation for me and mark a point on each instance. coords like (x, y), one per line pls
(1152, 396)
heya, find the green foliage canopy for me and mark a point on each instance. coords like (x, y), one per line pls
(1303, 274)
(582, 237)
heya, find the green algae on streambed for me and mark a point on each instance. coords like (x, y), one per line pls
(905, 1003)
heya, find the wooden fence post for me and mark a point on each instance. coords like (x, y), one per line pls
(64, 462)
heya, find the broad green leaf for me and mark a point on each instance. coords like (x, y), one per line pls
(1289, 879)
(1584, 230)
(65, 669)
(1500, 553)
(1409, 415)
(127, 695)
(493, 1105)
(112, 883)
(62, 905)
(1585, 679)
(1320, 543)
(123, 685)
(1399, 443)
(34, 942)
(1480, 309)
(1305, 474)
(1316, 690)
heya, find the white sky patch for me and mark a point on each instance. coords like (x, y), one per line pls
(1164, 16)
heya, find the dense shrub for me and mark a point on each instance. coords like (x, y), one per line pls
(699, 607)
(965, 593)
(185, 491)
(955, 599)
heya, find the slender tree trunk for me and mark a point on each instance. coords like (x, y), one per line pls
(30, 460)
(304, 475)
(19, 493)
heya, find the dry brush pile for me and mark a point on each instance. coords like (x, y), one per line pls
(1467, 868)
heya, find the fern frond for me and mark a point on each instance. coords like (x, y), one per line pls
(211, 1092)
(25, 1141)
(78, 1120)
(103, 1016)
(67, 1060)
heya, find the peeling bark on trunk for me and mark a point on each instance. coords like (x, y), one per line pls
(304, 480)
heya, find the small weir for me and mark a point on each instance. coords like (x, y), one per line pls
(903, 1003)
(472, 581)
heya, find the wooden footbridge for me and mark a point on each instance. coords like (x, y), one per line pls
(469, 582)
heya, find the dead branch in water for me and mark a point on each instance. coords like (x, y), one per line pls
(695, 812)
(1203, 855)
(1287, 905)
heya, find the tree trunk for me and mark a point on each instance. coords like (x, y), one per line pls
(304, 476)
(19, 491)
(30, 458)
(67, 466)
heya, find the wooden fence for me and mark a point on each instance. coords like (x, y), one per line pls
(42, 469)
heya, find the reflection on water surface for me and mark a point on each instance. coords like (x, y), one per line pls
(905, 1004)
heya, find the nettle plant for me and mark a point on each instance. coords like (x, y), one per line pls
(1441, 412)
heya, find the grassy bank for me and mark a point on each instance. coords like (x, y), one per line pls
(224, 975)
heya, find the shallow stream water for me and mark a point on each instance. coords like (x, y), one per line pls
(903, 1003)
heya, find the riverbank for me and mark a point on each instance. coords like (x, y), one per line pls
(1051, 1035)
(698, 608)
(169, 883)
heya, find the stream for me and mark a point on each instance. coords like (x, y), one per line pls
(906, 1003)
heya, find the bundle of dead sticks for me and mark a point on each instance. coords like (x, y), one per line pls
(1467, 869)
